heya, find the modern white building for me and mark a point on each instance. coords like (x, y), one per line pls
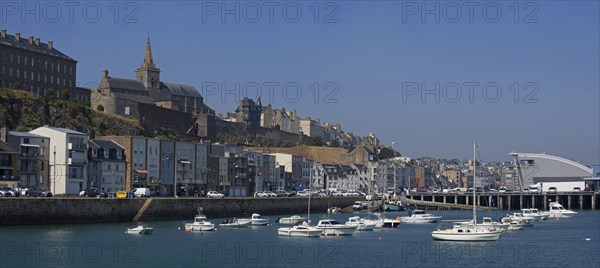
(68, 159)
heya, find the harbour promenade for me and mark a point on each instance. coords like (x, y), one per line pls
(503, 201)
(36, 211)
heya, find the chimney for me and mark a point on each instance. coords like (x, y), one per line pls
(3, 33)
(18, 36)
(50, 44)
(37, 42)
(105, 73)
(30, 40)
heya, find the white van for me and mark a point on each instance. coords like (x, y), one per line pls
(142, 192)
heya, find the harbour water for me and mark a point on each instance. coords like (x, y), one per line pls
(573, 242)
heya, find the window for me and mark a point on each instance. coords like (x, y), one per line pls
(18, 73)
(32, 62)
(106, 155)
(25, 61)
(18, 59)
(46, 64)
(32, 76)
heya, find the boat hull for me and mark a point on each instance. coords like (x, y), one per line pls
(420, 220)
(291, 220)
(191, 227)
(337, 230)
(475, 236)
(391, 207)
(299, 232)
(140, 230)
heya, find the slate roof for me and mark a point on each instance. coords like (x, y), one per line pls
(128, 84)
(23, 43)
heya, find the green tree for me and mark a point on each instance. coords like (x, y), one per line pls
(64, 94)
(385, 153)
(334, 143)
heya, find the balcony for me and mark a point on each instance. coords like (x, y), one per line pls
(29, 156)
(77, 146)
(5, 164)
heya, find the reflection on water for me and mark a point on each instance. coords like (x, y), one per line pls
(548, 243)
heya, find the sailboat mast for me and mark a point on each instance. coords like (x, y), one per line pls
(474, 175)
(310, 193)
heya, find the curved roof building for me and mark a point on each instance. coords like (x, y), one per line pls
(548, 168)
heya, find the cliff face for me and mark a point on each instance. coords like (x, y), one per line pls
(24, 111)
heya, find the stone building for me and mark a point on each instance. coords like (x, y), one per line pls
(29, 64)
(120, 95)
(281, 119)
(249, 113)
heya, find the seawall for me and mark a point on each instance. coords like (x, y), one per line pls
(36, 211)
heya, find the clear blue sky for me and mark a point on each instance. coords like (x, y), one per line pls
(370, 50)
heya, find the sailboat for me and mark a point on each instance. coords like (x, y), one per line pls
(471, 231)
(304, 229)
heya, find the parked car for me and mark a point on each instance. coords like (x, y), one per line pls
(214, 194)
(577, 189)
(93, 192)
(271, 194)
(261, 194)
(142, 192)
(9, 192)
(303, 193)
(552, 190)
(282, 193)
(359, 206)
(35, 192)
(5, 192)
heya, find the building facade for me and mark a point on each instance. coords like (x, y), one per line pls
(29, 64)
(106, 166)
(68, 159)
(32, 168)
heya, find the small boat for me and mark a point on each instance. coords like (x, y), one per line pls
(302, 230)
(512, 224)
(139, 230)
(383, 222)
(361, 224)
(200, 224)
(334, 210)
(533, 214)
(558, 211)
(293, 220)
(419, 216)
(333, 227)
(519, 217)
(255, 220)
(544, 214)
(235, 223)
(358, 205)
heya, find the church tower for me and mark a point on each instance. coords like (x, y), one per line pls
(148, 74)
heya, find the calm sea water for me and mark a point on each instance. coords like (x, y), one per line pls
(571, 242)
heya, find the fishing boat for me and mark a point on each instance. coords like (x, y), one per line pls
(200, 223)
(469, 232)
(558, 211)
(383, 222)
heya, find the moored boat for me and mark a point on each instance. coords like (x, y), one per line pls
(293, 220)
(419, 216)
(301, 230)
(558, 211)
(361, 224)
(333, 227)
(200, 224)
(139, 230)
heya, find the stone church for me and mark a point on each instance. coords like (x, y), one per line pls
(121, 95)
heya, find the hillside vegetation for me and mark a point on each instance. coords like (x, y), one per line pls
(24, 111)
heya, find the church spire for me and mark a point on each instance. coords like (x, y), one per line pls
(148, 61)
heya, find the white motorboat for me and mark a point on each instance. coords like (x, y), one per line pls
(256, 220)
(519, 217)
(544, 214)
(383, 222)
(235, 223)
(200, 224)
(419, 216)
(512, 224)
(302, 230)
(361, 224)
(333, 227)
(473, 231)
(558, 211)
(293, 220)
(358, 205)
(139, 230)
(533, 214)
